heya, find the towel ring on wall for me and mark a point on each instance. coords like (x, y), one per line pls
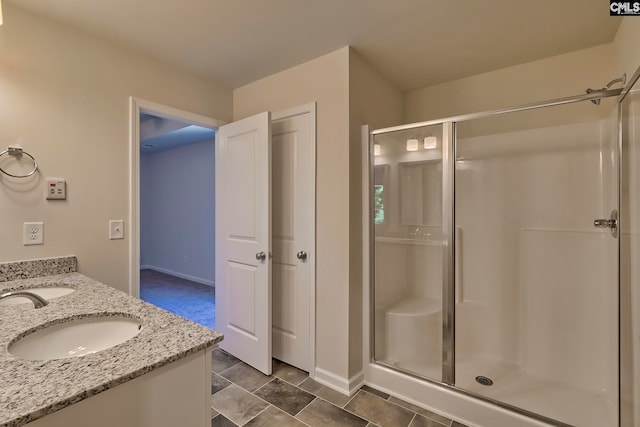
(17, 152)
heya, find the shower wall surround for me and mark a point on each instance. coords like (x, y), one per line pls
(629, 267)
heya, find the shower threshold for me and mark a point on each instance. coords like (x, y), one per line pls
(519, 388)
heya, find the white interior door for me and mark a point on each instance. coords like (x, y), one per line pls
(243, 239)
(293, 136)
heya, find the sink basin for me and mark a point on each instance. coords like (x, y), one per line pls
(46, 293)
(75, 337)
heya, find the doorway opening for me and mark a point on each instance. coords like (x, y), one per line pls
(293, 233)
(174, 204)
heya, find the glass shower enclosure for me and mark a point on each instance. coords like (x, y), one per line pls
(495, 256)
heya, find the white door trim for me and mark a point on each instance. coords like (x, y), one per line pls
(367, 353)
(292, 112)
(137, 105)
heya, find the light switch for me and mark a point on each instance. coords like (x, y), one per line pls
(116, 229)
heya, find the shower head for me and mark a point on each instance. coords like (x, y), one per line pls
(622, 79)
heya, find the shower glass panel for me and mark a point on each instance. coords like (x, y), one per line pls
(536, 282)
(630, 253)
(407, 216)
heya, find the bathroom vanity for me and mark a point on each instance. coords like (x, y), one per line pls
(159, 377)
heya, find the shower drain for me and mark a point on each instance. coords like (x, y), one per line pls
(484, 380)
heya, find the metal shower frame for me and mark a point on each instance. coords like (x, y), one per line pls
(448, 229)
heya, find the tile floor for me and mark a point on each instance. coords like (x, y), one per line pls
(243, 396)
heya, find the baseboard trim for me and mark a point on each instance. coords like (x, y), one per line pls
(338, 383)
(177, 274)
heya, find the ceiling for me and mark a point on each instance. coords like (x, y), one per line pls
(162, 134)
(414, 43)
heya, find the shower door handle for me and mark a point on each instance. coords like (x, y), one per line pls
(611, 223)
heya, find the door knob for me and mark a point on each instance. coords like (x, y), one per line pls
(261, 256)
(302, 255)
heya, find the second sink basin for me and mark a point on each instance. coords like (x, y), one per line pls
(46, 293)
(76, 337)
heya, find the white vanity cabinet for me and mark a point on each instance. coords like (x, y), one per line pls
(176, 394)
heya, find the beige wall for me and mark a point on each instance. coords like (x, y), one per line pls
(373, 100)
(324, 80)
(626, 47)
(65, 99)
(554, 77)
(549, 78)
(348, 93)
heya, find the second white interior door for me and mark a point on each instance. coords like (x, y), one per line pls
(293, 239)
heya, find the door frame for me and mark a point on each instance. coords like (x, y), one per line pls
(310, 109)
(136, 106)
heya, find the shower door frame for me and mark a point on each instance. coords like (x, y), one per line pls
(448, 237)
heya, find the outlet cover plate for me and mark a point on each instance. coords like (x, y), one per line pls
(33, 233)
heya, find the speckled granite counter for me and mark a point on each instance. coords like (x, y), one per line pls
(32, 389)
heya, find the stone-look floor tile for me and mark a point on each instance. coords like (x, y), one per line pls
(285, 396)
(420, 421)
(320, 414)
(379, 411)
(424, 412)
(221, 421)
(325, 392)
(237, 404)
(218, 383)
(221, 360)
(288, 373)
(246, 377)
(274, 417)
(372, 390)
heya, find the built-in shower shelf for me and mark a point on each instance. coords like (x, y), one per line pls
(415, 306)
(407, 241)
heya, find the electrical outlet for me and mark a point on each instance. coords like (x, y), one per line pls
(33, 233)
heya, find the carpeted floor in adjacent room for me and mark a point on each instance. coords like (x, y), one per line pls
(191, 300)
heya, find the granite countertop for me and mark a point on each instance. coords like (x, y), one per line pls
(32, 389)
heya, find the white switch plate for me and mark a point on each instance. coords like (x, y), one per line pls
(116, 229)
(33, 233)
